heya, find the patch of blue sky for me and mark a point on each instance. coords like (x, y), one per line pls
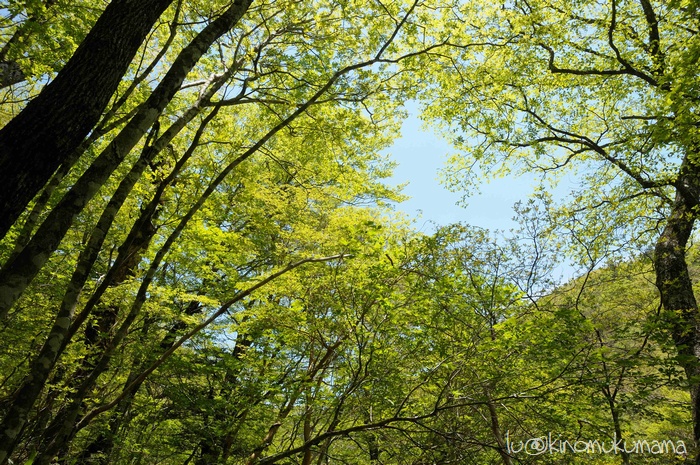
(420, 154)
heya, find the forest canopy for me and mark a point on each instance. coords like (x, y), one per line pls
(200, 261)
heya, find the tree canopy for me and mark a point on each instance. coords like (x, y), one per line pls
(200, 261)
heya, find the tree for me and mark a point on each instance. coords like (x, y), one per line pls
(277, 120)
(606, 90)
(43, 136)
(212, 275)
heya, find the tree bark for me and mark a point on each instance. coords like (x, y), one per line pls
(65, 321)
(10, 74)
(676, 287)
(97, 339)
(35, 143)
(17, 275)
(34, 382)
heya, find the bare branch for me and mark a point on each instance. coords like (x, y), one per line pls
(626, 70)
(654, 37)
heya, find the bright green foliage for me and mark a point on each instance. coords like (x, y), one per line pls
(582, 92)
(253, 299)
(38, 37)
(601, 96)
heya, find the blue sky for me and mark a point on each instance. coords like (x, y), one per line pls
(420, 154)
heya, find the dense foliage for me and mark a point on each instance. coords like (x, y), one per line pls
(212, 272)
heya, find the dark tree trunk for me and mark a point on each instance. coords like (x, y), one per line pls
(35, 143)
(98, 341)
(10, 74)
(61, 430)
(676, 287)
(16, 276)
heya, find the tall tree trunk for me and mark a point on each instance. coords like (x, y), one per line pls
(35, 143)
(617, 425)
(97, 336)
(676, 287)
(66, 322)
(106, 125)
(496, 430)
(17, 275)
(41, 366)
